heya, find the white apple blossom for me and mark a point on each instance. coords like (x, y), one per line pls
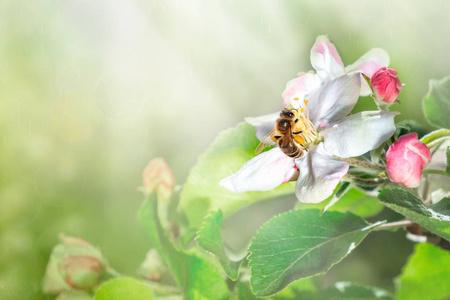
(336, 134)
(328, 66)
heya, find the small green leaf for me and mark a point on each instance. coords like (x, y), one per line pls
(173, 258)
(124, 288)
(435, 137)
(204, 281)
(426, 275)
(242, 291)
(434, 218)
(198, 278)
(344, 188)
(202, 193)
(354, 201)
(436, 103)
(300, 244)
(210, 238)
(367, 79)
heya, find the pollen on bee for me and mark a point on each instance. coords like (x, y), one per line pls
(299, 139)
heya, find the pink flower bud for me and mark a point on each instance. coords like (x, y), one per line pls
(74, 264)
(406, 158)
(157, 177)
(385, 85)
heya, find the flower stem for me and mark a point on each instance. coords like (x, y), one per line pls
(438, 172)
(370, 182)
(363, 164)
(387, 226)
(112, 272)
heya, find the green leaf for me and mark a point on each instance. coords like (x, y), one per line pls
(436, 103)
(198, 278)
(173, 258)
(202, 193)
(354, 201)
(434, 218)
(435, 137)
(210, 238)
(124, 288)
(205, 282)
(300, 244)
(426, 275)
(243, 291)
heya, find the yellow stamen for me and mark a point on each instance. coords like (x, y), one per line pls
(308, 131)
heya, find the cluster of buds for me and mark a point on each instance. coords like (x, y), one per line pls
(407, 157)
(74, 264)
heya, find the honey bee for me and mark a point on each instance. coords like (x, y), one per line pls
(286, 134)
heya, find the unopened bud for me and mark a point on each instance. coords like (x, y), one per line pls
(74, 264)
(385, 85)
(157, 177)
(405, 160)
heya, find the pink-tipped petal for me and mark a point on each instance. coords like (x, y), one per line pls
(262, 173)
(368, 64)
(359, 133)
(334, 100)
(320, 173)
(300, 87)
(405, 160)
(326, 60)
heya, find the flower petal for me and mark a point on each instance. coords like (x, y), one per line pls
(262, 173)
(334, 100)
(319, 175)
(264, 124)
(359, 133)
(370, 62)
(326, 60)
(300, 87)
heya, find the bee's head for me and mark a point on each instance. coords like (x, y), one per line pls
(287, 113)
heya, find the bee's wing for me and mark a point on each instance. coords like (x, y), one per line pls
(266, 141)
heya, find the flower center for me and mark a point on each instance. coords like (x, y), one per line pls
(304, 131)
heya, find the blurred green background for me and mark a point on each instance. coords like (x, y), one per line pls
(92, 90)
